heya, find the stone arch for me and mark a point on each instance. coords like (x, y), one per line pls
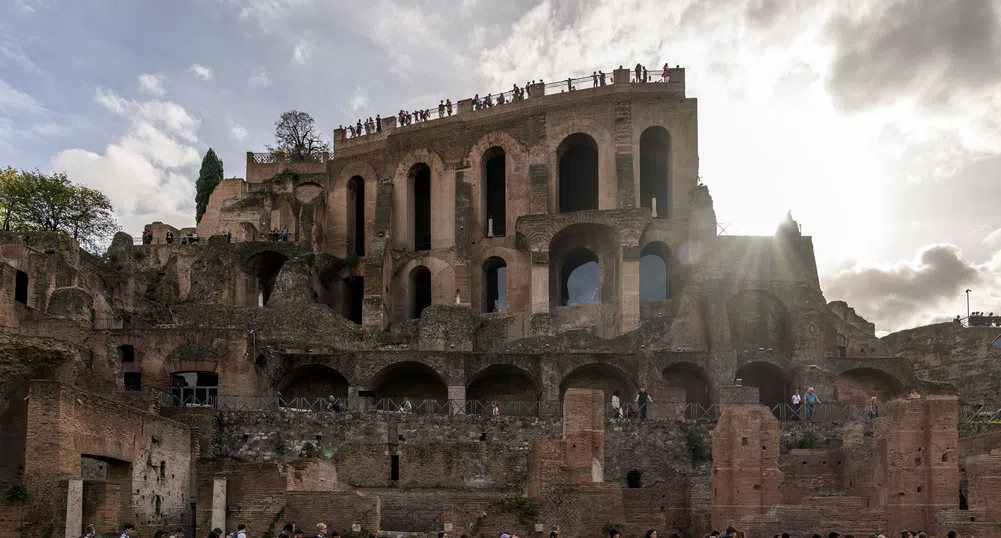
(403, 200)
(655, 170)
(773, 383)
(314, 381)
(577, 245)
(759, 321)
(606, 160)
(858, 385)
(518, 279)
(514, 182)
(409, 379)
(442, 284)
(495, 284)
(339, 197)
(515, 390)
(419, 285)
(656, 265)
(262, 270)
(601, 376)
(694, 379)
(308, 191)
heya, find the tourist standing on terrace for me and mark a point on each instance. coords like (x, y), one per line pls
(448, 106)
(643, 398)
(441, 109)
(666, 75)
(811, 400)
(797, 401)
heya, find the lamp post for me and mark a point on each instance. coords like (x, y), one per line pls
(968, 305)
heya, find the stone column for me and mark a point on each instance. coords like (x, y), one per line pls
(540, 282)
(620, 76)
(74, 508)
(218, 503)
(457, 398)
(629, 288)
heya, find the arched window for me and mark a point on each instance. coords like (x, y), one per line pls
(126, 353)
(655, 153)
(356, 216)
(420, 290)
(420, 204)
(579, 278)
(495, 192)
(655, 283)
(194, 388)
(495, 281)
(578, 161)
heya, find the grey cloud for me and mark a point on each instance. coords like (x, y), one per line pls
(909, 293)
(932, 50)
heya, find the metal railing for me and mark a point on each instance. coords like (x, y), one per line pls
(981, 414)
(413, 521)
(367, 405)
(821, 412)
(279, 157)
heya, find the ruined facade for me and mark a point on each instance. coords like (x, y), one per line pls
(474, 292)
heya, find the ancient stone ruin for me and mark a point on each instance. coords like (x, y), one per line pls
(458, 335)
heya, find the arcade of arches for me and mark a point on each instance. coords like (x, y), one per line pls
(605, 377)
(409, 380)
(314, 381)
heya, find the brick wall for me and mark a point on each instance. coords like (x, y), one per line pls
(133, 443)
(339, 510)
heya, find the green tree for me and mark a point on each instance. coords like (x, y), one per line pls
(208, 177)
(50, 202)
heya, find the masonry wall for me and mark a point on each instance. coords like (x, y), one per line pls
(136, 445)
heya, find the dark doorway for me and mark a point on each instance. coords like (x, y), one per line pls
(633, 479)
(394, 467)
(771, 382)
(133, 381)
(127, 353)
(420, 290)
(421, 183)
(578, 158)
(356, 216)
(21, 287)
(354, 297)
(495, 278)
(655, 147)
(495, 172)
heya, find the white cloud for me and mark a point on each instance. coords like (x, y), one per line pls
(147, 172)
(261, 79)
(360, 99)
(152, 84)
(929, 288)
(237, 131)
(201, 71)
(10, 49)
(303, 50)
(13, 100)
(993, 237)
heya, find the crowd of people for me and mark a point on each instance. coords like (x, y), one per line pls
(404, 117)
(185, 239)
(982, 319)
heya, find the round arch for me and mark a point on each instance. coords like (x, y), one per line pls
(579, 170)
(495, 284)
(263, 267)
(773, 384)
(518, 289)
(514, 389)
(601, 376)
(409, 379)
(655, 272)
(442, 285)
(575, 246)
(694, 379)
(556, 134)
(859, 385)
(655, 166)
(405, 199)
(492, 145)
(313, 381)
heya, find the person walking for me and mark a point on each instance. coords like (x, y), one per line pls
(643, 399)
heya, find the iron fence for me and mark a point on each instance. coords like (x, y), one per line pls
(979, 414)
(280, 157)
(413, 521)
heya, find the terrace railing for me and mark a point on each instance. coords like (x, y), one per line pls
(981, 414)
(279, 157)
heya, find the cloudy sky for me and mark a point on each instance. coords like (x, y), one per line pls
(875, 122)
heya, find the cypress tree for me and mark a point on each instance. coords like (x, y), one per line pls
(208, 177)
